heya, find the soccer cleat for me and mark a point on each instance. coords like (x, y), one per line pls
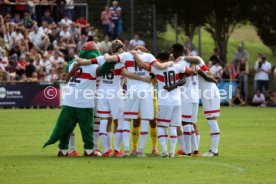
(134, 151)
(106, 154)
(62, 153)
(180, 152)
(154, 151)
(164, 155)
(117, 153)
(110, 151)
(97, 153)
(74, 154)
(196, 154)
(141, 155)
(98, 150)
(210, 153)
(126, 154)
(171, 155)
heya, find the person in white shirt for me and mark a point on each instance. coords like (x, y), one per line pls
(136, 41)
(217, 70)
(56, 60)
(258, 99)
(44, 28)
(39, 39)
(66, 21)
(16, 36)
(263, 69)
(105, 45)
(65, 33)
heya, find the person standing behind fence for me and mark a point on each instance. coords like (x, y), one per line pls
(106, 21)
(116, 11)
(243, 71)
(263, 69)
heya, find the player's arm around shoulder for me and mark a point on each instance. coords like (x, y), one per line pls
(135, 77)
(142, 64)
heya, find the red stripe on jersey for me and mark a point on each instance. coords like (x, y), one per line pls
(217, 133)
(94, 61)
(102, 134)
(163, 120)
(118, 58)
(103, 112)
(129, 64)
(160, 78)
(186, 116)
(162, 136)
(193, 132)
(96, 130)
(213, 111)
(143, 133)
(173, 137)
(204, 68)
(153, 62)
(131, 113)
(177, 76)
(117, 71)
(128, 131)
(119, 131)
(96, 123)
(87, 76)
(187, 133)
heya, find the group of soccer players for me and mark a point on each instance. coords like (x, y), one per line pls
(161, 93)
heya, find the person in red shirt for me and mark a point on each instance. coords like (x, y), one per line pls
(82, 23)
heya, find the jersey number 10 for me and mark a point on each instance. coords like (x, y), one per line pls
(169, 78)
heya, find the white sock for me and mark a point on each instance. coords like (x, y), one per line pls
(103, 134)
(215, 134)
(193, 138)
(88, 151)
(72, 142)
(181, 142)
(162, 138)
(96, 134)
(198, 140)
(118, 135)
(173, 139)
(126, 136)
(109, 139)
(187, 138)
(143, 135)
(63, 151)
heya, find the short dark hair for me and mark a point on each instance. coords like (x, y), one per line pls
(163, 55)
(178, 50)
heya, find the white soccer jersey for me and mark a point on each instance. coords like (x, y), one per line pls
(80, 90)
(168, 77)
(112, 79)
(128, 60)
(190, 89)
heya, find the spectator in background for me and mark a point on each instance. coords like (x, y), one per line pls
(56, 60)
(21, 66)
(217, 70)
(27, 21)
(47, 17)
(116, 11)
(136, 41)
(81, 42)
(271, 102)
(243, 71)
(39, 39)
(106, 21)
(44, 64)
(16, 20)
(105, 45)
(69, 8)
(274, 74)
(30, 68)
(66, 21)
(190, 46)
(83, 24)
(216, 56)
(237, 100)
(71, 55)
(127, 46)
(258, 99)
(262, 68)
(240, 54)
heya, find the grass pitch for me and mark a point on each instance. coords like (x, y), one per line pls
(247, 153)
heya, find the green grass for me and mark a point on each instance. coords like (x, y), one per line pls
(245, 33)
(247, 153)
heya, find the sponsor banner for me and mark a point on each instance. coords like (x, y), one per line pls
(230, 88)
(29, 95)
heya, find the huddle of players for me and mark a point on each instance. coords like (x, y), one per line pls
(178, 93)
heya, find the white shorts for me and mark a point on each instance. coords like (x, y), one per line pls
(189, 112)
(211, 107)
(135, 104)
(169, 115)
(111, 108)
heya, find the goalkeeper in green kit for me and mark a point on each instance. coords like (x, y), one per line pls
(78, 102)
